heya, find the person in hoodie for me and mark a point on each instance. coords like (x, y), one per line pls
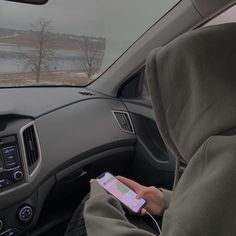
(192, 82)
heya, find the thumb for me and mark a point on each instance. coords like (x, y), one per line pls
(140, 194)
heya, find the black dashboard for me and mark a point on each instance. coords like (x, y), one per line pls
(48, 133)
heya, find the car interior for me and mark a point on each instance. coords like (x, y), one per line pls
(63, 123)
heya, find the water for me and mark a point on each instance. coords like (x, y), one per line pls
(12, 60)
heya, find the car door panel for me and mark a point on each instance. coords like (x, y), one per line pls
(153, 164)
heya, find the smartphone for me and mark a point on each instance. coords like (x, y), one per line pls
(122, 192)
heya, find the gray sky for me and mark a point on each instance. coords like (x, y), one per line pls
(121, 22)
(89, 17)
(67, 16)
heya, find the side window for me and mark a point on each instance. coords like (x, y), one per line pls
(135, 87)
(226, 17)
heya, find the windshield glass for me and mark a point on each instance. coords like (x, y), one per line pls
(70, 42)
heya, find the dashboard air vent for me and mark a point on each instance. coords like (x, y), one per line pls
(124, 121)
(86, 93)
(31, 147)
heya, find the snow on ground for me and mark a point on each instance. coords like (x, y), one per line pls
(46, 78)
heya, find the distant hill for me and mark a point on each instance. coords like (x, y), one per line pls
(22, 38)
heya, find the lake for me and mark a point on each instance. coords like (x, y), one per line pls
(12, 59)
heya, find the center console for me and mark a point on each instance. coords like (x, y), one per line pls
(19, 164)
(11, 170)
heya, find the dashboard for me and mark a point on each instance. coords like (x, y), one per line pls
(48, 133)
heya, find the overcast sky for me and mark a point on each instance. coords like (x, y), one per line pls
(117, 19)
(121, 22)
(66, 15)
(88, 17)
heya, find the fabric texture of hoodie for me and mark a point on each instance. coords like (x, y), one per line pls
(192, 82)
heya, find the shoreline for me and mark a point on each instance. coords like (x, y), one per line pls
(75, 78)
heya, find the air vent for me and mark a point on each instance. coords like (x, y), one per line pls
(31, 147)
(86, 93)
(124, 121)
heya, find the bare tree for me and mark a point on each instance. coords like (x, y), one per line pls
(39, 57)
(91, 54)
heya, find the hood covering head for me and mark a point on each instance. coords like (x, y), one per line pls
(192, 82)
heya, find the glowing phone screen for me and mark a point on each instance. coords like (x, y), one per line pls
(126, 195)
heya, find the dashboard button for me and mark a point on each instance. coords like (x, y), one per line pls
(5, 183)
(25, 213)
(10, 232)
(9, 151)
(10, 157)
(11, 163)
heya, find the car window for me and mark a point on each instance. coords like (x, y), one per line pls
(70, 42)
(226, 17)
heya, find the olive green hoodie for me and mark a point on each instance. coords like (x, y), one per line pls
(192, 82)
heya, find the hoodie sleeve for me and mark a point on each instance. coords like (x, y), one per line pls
(166, 200)
(104, 215)
(203, 202)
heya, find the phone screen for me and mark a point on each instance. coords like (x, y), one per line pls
(122, 192)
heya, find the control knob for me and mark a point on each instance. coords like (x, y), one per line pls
(18, 175)
(25, 213)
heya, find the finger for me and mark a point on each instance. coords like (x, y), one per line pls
(132, 184)
(92, 180)
(151, 190)
(145, 191)
(140, 194)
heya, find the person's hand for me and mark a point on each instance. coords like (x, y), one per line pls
(152, 195)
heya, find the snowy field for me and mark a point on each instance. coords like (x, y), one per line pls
(46, 78)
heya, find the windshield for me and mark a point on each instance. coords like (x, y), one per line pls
(70, 42)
